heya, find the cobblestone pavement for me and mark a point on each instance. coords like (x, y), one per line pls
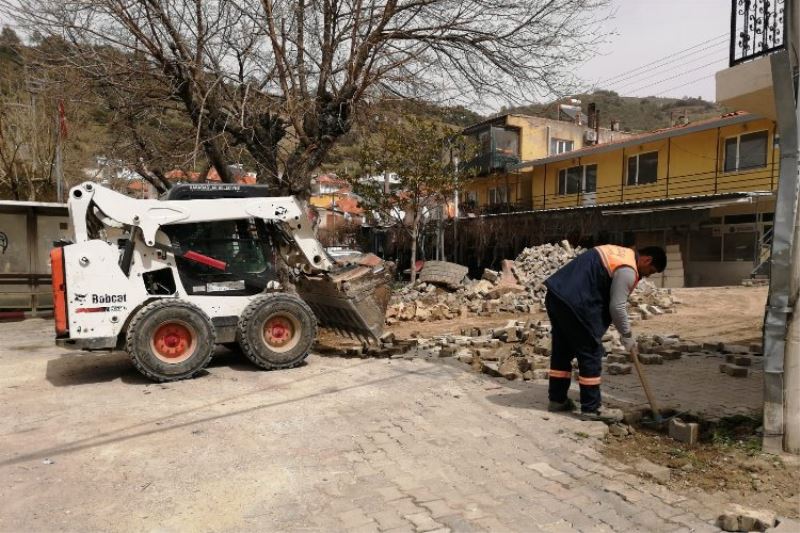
(338, 444)
(692, 384)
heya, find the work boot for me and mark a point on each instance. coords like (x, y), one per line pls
(604, 414)
(560, 407)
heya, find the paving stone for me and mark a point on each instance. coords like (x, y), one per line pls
(423, 521)
(740, 360)
(734, 370)
(657, 472)
(619, 368)
(686, 432)
(651, 359)
(671, 355)
(734, 348)
(616, 358)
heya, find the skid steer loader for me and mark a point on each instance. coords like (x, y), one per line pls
(166, 280)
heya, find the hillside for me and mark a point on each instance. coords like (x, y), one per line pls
(634, 114)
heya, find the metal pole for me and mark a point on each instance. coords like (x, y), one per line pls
(58, 170)
(455, 218)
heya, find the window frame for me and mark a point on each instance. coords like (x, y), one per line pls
(628, 169)
(582, 186)
(558, 142)
(738, 138)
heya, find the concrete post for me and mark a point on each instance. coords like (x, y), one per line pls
(791, 361)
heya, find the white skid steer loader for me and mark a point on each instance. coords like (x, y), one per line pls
(166, 280)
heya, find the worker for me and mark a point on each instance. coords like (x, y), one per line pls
(583, 298)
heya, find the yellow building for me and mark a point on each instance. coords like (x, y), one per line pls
(704, 189)
(508, 139)
(730, 154)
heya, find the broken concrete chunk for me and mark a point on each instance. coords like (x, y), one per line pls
(738, 518)
(490, 275)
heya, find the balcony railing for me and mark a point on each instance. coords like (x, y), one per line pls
(763, 179)
(758, 27)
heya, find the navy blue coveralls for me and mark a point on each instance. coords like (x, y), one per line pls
(577, 303)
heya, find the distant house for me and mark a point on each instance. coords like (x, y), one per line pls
(507, 140)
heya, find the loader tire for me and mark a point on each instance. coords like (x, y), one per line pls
(276, 330)
(169, 339)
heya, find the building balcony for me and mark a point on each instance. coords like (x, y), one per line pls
(758, 29)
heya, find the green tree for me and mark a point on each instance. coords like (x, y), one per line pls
(419, 152)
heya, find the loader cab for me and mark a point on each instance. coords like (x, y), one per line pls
(241, 252)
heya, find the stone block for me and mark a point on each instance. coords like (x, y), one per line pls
(616, 358)
(712, 346)
(670, 355)
(651, 359)
(619, 368)
(741, 360)
(734, 370)
(686, 432)
(657, 472)
(734, 348)
(756, 348)
(490, 275)
(738, 518)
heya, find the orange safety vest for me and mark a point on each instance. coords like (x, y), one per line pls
(614, 257)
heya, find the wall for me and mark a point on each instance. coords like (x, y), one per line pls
(686, 167)
(27, 235)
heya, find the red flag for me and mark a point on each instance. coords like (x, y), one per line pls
(62, 120)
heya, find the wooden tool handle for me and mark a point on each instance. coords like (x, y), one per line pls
(634, 355)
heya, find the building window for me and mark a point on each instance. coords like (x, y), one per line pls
(582, 178)
(746, 151)
(740, 246)
(559, 146)
(498, 196)
(643, 168)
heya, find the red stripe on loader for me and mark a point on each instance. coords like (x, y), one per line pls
(205, 260)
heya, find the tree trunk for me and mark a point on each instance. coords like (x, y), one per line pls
(414, 234)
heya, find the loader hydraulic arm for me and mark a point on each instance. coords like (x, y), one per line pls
(305, 252)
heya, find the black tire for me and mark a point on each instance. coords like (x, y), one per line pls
(294, 326)
(157, 338)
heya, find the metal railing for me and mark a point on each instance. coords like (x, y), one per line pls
(762, 179)
(758, 27)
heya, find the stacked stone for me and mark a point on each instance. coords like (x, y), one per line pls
(517, 288)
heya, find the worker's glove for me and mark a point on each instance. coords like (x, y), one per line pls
(629, 343)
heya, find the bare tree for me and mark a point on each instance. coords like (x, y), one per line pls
(280, 80)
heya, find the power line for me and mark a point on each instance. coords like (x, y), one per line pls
(659, 82)
(638, 77)
(659, 60)
(685, 84)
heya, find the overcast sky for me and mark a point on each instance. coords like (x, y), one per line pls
(648, 31)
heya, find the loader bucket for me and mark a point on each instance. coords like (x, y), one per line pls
(352, 299)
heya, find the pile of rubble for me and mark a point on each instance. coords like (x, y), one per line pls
(517, 288)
